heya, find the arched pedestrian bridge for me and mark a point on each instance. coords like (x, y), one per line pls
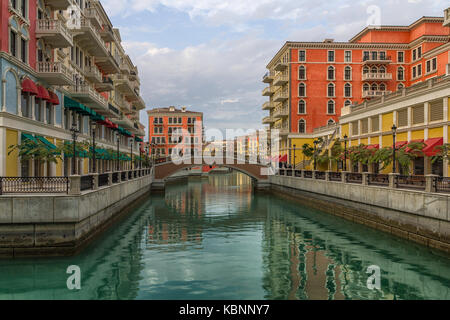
(258, 172)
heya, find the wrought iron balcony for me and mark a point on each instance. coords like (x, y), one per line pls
(54, 73)
(54, 33)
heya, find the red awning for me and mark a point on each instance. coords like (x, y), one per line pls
(53, 98)
(400, 144)
(43, 94)
(283, 158)
(413, 141)
(431, 145)
(29, 86)
(373, 147)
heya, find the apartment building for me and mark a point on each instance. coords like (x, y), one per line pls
(309, 83)
(63, 66)
(175, 130)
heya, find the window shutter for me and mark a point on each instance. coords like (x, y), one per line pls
(364, 126)
(418, 114)
(375, 124)
(402, 117)
(355, 128)
(437, 111)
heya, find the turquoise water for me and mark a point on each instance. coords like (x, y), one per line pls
(216, 239)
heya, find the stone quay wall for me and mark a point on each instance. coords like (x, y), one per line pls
(61, 225)
(422, 217)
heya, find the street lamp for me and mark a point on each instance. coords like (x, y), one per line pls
(315, 148)
(146, 154)
(140, 156)
(294, 155)
(94, 128)
(131, 142)
(118, 152)
(75, 133)
(345, 152)
(394, 134)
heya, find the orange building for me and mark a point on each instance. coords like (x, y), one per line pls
(310, 82)
(172, 128)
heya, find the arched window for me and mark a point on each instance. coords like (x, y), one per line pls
(302, 73)
(382, 87)
(13, 37)
(374, 87)
(382, 70)
(302, 126)
(348, 73)
(401, 74)
(24, 40)
(347, 90)
(330, 73)
(374, 70)
(301, 107)
(302, 90)
(400, 86)
(366, 70)
(11, 92)
(330, 90)
(331, 122)
(366, 87)
(330, 107)
(347, 103)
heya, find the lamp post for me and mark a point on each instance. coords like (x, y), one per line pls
(131, 163)
(315, 148)
(146, 154)
(345, 152)
(75, 133)
(94, 128)
(294, 155)
(118, 152)
(394, 134)
(140, 156)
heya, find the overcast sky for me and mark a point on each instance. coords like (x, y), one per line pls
(210, 55)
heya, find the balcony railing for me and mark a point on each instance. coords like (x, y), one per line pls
(93, 15)
(374, 179)
(376, 76)
(281, 65)
(90, 39)
(268, 78)
(410, 182)
(55, 32)
(281, 96)
(87, 94)
(442, 185)
(374, 93)
(54, 73)
(93, 73)
(267, 92)
(267, 106)
(280, 80)
(281, 113)
(268, 120)
(377, 60)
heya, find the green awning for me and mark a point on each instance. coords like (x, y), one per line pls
(80, 153)
(138, 139)
(98, 117)
(26, 136)
(71, 104)
(47, 143)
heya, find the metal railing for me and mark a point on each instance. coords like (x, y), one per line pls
(87, 183)
(308, 174)
(335, 176)
(442, 184)
(410, 182)
(115, 177)
(375, 179)
(354, 178)
(34, 185)
(103, 179)
(320, 175)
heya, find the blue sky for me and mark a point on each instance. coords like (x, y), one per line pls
(210, 55)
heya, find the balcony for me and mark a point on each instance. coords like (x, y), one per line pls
(376, 60)
(125, 68)
(283, 131)
(446, 17)
(281, 113)
(281, 65)
(125, 122)
(374, 93)
(268, 120)
(280, 80)
(108, 64)
(281, 96)
(58, 4)
(93, 15)
(376, 76)
(267, 106)
(268, 78)
(88, 38)
(54, 33)
(89, 96)
(139, 103)
(124, 85)
(54, 73)
(106, 85)
(93, 74)
(107, 34)
(267, 92)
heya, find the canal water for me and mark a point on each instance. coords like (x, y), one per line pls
(213, 238)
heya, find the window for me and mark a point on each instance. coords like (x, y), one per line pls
(330, 107)
(330, 56)
(366, 87)
(366, 55)
(383, 55)
(382, 70)
(400, 57)
(330, 90)
(374, 70)
(402, 118)
(374, 55)
(401, 74)
(23, 50)
(419, 52)
(330, 73)
(431, 65)
(23, 8)
(374, 87)
(302, 107)
(382, 87)
(419, 70)
(414, 72)
(49, 113)
(348, 73)
(26, 105)
(366, 70)
(348, 90)
(414, 55)
(302, 73)
(375, 124)
(302, 126)
(302, 90)
(330, 122)
(348, 56)
(347, 103)
(400, 86)
(302, 55)
(13, 43)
